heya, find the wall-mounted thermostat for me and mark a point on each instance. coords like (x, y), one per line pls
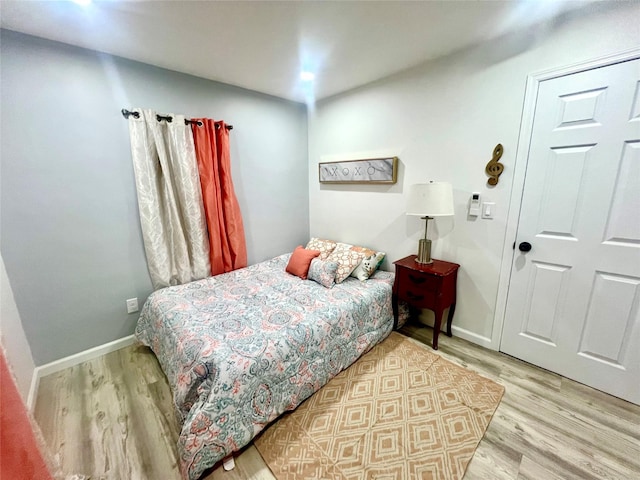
(474, 205)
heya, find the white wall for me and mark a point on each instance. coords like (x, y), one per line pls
(71, 238)
(14, 341)
(443, 121)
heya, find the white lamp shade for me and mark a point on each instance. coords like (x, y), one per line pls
(433, 199)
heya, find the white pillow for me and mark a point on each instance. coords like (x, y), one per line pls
(368, 265)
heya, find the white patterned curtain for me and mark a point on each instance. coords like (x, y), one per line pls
(169, 199)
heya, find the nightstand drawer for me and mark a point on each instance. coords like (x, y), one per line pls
(418, 298)
(417, 282)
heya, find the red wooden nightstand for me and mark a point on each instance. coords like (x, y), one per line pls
(431, 286)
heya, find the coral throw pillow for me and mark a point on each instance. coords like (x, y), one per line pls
(300, 260)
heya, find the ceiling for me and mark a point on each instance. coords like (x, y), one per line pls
(264, 45)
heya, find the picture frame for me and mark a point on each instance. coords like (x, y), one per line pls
(366, 171)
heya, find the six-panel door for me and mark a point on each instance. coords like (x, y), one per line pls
(573, 301)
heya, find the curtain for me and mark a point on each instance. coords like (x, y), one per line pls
(23, 453)
(228, 250)
(169, 199)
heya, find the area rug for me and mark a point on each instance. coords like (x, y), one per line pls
(399, 412)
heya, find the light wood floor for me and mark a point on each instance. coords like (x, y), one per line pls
(112, 418)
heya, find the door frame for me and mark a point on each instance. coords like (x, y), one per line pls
(520, 169)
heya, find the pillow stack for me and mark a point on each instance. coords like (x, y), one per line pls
(336, 261)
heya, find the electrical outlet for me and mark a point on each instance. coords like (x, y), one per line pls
(132, 305)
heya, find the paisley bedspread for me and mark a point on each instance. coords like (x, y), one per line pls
(241, 348)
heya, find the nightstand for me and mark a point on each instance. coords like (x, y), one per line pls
(431, 286)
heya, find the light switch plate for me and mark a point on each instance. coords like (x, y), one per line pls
(488, 209)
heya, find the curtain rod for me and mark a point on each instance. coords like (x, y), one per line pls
(126, 113)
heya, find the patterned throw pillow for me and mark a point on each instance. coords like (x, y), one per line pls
(324, 246)
(347, 259)
(367, 252)
(323, 272)
(368, 265)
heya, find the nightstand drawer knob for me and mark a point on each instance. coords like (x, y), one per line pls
(415, 279)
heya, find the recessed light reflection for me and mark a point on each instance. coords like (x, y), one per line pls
(307, 76)
(84, 3)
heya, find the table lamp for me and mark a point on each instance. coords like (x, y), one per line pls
(429, 200)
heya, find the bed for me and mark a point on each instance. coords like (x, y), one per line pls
(241, 348)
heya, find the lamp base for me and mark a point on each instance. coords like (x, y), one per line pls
(424, 252)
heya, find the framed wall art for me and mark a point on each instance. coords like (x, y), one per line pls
(369, 171)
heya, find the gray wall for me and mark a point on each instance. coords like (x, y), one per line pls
(69, 228)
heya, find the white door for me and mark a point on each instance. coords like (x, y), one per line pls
(573, 304)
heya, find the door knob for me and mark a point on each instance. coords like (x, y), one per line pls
(524, 247)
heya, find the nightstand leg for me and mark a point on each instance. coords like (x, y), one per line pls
(436, 327)
(452, 309)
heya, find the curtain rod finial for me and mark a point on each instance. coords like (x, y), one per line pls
(126, 113)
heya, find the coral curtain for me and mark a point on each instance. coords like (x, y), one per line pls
(169, 199)
(20, 454)
(228, 250)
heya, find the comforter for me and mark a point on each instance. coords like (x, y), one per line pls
(241, 348)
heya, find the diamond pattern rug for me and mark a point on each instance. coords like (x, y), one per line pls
(399, 412)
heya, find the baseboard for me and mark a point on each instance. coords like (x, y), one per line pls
(33, 389)
(472, 337)
(70, 361)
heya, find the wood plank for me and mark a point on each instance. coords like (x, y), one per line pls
(531, 470)
(493, 460)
